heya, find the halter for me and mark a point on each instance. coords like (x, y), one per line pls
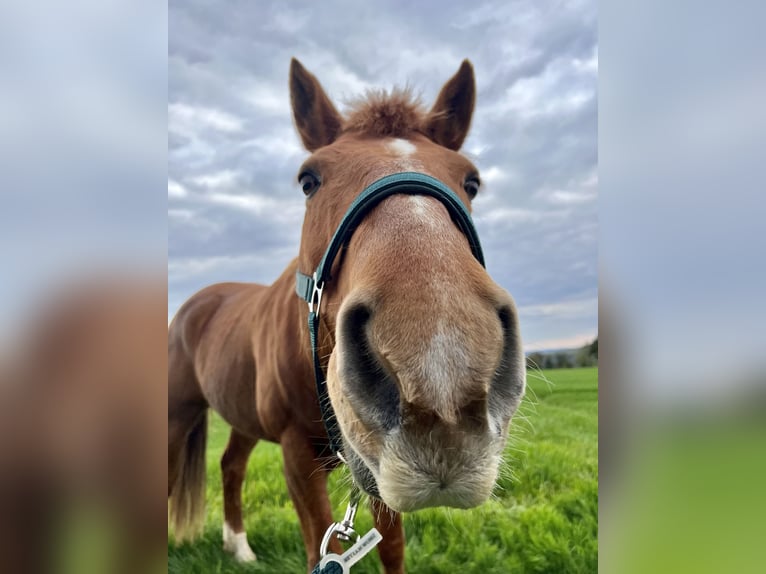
(310, 288)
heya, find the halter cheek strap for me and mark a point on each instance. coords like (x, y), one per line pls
(310, 288)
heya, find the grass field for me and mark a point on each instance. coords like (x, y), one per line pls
(544, 519)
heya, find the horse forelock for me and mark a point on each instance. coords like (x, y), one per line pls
(380, 113)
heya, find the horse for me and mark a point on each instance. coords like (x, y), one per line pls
(421, 348)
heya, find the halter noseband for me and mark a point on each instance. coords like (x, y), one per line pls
(310, 288)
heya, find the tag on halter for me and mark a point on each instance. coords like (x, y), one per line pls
(335, 564)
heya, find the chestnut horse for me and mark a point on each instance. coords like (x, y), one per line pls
(421, 348)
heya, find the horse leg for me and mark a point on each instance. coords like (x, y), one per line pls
(307, 482)
(233, 467)
(391, 548)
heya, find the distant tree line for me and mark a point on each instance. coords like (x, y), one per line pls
(585, 356)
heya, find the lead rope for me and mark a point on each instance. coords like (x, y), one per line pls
(343, 530)
(325, 406)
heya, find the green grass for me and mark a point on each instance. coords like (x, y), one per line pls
(544, 518)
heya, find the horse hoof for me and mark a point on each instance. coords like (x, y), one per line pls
(245, 554)
(236, 544)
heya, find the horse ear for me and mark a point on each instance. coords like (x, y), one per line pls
(448, 121)
(317, 120)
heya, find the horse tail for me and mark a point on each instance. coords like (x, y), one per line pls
(187, 495)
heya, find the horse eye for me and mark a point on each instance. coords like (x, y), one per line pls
(309, 182)
(471, 186)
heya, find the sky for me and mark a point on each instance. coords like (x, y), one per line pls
(235, 209)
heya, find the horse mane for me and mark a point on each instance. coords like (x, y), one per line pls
(386, 114)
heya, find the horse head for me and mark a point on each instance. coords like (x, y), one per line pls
(425, 363)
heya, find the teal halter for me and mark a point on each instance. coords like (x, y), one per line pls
(310, 288)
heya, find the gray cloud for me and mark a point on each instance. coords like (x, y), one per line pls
(235, 210)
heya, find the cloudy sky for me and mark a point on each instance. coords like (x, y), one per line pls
(235, 211)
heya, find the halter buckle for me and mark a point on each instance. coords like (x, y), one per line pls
(316, 295)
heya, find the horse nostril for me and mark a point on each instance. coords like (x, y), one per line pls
(507, 387)
(505, 314)
(355, 319)
(371, 389)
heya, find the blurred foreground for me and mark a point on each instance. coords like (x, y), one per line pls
(682, 134)
(83, 244)
(82, 431)
(681, 482)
